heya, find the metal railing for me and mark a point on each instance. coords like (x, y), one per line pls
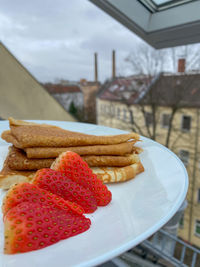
(160, 251)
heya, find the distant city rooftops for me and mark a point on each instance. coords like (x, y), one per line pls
(182, 89)
(61, 88)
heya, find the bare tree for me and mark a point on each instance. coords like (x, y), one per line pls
(163, 86)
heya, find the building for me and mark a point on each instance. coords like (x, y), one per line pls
(69, 96)
(22, 96)
(90, 90)
(165, 108)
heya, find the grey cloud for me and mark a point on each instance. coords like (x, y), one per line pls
(58, 38)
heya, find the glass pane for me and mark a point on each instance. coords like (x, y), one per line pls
(198, 229)
(176, 2)
(186, 123)
(160, 2)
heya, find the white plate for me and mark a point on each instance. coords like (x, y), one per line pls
(138, 209)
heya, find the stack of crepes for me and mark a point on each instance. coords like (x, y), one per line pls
(113, 158)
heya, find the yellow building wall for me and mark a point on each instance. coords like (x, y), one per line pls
(179, 140)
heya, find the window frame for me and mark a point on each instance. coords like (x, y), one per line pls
(150, 117)
(181, 222)
(198, 196)
(165, 126)
(197, 224)
(182, 118)
(124, 114)
(152, 25)
(118, 113)
(185, 163)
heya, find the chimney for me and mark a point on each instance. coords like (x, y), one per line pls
(95, 68)
(181, 65)
(113, 64)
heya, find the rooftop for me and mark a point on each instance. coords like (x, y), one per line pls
(61, 89)
(182, 90)
(127, 89)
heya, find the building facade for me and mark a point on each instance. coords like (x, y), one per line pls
(89, 90)
(68, 95)
(166, 109)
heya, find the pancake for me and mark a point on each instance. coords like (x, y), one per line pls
(53, 152)
(40, 135)
(116, 175)
(17, 160)
(8, 177)
(117, 161)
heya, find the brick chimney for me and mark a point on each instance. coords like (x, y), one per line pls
(95, 68)
(181, 65)
(113, 64)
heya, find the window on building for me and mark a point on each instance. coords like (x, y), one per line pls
(184, 156)
(125, 114)
(108, 109)
(112, 110)
(118, 113)
(181, 222)
(165, 120)
(148, 118)
(197, 227)
(198, 196)
(131, 116)
(186, 123)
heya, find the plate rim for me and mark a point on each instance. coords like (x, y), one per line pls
(124, 247)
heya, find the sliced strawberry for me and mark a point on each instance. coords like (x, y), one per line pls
(57, 183)
(30, 226)
(74, 167)
(32, 193)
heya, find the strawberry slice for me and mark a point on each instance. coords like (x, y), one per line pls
(57, 183)
(30, 226)
(74, 167)
(33, 194)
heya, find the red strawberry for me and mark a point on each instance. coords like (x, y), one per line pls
(57, 183)
(29, 226)
(74, 167)
(33, 194)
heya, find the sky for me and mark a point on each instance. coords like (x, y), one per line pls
(57, 39)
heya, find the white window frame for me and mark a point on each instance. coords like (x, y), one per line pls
(182, 129)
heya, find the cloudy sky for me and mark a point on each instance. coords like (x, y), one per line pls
(57, 39)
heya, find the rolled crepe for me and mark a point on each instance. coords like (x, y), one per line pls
(53, 152)
(17, 160)
(115, 175)
(8, 177)
(94, 161)
(38, 135)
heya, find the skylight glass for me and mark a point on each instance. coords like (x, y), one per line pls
(160, 2)
(158, 5)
